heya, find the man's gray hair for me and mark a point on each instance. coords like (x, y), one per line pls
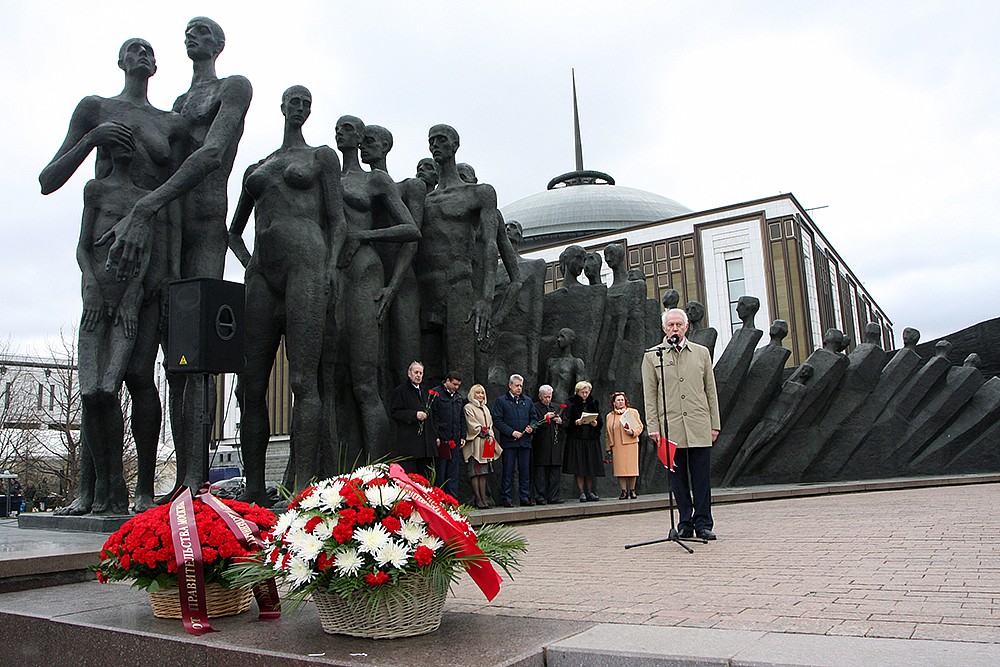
(663, 318)
(545, 389)
(513, 377)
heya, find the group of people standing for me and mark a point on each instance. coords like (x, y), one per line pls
(532, 442)
(436, 426)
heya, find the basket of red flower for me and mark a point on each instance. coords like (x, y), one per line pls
(377, 550)
(143, 551)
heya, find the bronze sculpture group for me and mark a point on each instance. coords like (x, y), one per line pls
(361, 275)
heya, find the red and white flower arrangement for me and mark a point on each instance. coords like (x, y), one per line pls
(367, 530)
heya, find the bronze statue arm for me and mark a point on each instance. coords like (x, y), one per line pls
(132, 233)
(488, 220)
(333, 201)
(408, 251)
(93, 302)
(240, 219)
(83, 136)
(508, 255)
(403, 228)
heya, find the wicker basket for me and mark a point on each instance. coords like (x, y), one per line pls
(417, 612)
(219, 601)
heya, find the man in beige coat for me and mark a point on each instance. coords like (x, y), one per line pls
(692, 414)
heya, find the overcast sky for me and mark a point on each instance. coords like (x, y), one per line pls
(885, 112)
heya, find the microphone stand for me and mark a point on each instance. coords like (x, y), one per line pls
(673, 535)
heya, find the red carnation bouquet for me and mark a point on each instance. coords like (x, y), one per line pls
(143, 549)
(428, 404)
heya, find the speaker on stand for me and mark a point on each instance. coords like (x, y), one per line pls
(205, 336)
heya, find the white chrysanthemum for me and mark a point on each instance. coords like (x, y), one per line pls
(348, 562)
(329, 497)
(394, 552)
(299, 571)
(284, 522)
(383, 496)
(458, 518)
(368, 473)
(370, 540)
(312, 501)
(432, 542)
(306, 545)
(412, 531)
(299, 522)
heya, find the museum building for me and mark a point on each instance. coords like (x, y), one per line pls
(769, 248)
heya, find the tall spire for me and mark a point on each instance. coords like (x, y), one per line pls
(576, 127)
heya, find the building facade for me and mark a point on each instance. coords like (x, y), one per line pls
(769, 248)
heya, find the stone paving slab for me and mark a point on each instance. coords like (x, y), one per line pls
(921, 563)
(643, 646)
(107, 625)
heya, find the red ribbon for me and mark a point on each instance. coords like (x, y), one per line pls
(190, 570)
(248, 534)
(481, 570)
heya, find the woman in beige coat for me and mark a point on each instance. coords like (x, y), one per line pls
(479, 429)
(623, 427)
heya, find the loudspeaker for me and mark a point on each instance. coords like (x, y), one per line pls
(205, 326)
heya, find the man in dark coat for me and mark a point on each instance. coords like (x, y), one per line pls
(415, 429)
(513, 416)
(449, 417)
(547, 448)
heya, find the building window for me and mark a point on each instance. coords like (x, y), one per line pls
(52, 397)
(737, 287)
(41, 394)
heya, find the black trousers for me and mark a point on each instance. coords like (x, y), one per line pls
(547, 480)
(692, 486)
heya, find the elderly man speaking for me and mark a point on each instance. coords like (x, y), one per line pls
(692, 416)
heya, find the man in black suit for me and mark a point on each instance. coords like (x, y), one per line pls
(416, 433)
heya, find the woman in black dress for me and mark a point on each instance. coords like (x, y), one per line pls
(582, 456)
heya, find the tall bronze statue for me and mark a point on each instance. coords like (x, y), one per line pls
(299, 227)
(138, 148)
(214, 109)
(398, 304)
(456, 259)
(368, 197)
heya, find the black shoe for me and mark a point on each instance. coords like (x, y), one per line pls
(705, 534)
(527, 502)
(507, 504)
(685, 533)
(623, 495)
(557, 501)
(593, 496)
(542, 501)
(583, 497)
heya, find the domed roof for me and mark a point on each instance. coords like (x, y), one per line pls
(586, 207)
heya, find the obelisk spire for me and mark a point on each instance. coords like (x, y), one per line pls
(576, 127)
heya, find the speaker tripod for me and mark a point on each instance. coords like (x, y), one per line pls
(672, 536)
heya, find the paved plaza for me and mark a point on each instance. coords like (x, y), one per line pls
(908, 576)
(911, 564)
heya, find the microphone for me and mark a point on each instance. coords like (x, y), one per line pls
(657, 348)
(674, 341)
